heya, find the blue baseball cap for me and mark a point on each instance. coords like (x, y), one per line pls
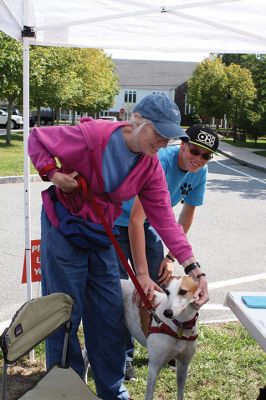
(164, 114)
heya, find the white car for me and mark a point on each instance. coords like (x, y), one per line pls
(108, 117)
(16, 120)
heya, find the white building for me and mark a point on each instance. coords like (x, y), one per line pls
(138, 78)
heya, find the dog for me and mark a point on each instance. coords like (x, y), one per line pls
(173, 336)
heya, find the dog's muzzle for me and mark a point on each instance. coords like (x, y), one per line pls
(168, 313)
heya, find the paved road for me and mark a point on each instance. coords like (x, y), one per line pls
(228, 235)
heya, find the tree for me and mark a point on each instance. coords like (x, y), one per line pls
(80, 79)
(98, 83)
(10, 75)
(53, 80)
(216, 89)
(207, 88)
(241, 94)
(254, 121)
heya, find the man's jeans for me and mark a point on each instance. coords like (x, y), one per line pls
(154, 254)
(92, 280)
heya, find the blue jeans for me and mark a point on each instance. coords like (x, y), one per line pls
(154, 255)
(92, 280)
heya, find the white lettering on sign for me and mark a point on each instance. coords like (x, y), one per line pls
(37, 271)
(35, 248)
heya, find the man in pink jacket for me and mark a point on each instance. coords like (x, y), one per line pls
(118, 160)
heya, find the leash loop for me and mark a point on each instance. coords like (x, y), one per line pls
(87, 194)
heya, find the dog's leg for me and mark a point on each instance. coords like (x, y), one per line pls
(155, 365)
(181, 377)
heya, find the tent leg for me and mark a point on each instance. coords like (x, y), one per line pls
(26, 164)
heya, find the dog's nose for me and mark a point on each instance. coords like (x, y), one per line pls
(168, 313)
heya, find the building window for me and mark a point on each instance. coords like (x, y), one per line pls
(158, 93)
(188, 107)
(130, 96)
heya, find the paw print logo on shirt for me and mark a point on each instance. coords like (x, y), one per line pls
(185, 188)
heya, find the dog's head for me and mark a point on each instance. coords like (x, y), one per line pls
(180, 292)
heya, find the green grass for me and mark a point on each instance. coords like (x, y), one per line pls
(260, 153)
(12, 156)
(261, 143)
(228, 365)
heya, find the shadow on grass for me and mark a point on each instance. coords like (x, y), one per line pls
(15, 137)
(260, 153)
(18, 383)
(250, 145)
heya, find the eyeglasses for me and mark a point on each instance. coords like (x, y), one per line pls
(194, 152)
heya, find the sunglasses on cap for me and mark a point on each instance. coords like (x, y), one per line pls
(195, 152)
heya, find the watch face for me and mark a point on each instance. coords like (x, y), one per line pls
(191, 266)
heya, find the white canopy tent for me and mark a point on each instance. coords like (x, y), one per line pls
(170, 30)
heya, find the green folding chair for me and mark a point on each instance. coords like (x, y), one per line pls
(33, 323)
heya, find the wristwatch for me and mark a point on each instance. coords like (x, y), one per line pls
(191, 266)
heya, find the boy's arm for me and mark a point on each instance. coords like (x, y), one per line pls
(186, 217)
(138, 248)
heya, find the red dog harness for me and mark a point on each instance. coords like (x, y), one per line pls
(164, 328)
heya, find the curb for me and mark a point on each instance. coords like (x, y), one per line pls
(242, 162)
(36, 177)
(18, 179)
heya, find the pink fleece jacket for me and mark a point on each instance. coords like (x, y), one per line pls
(80, 148)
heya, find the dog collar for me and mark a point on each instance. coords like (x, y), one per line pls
(169, 331)
(187, 324)
(164, 328)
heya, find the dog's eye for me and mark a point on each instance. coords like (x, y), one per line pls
(182, 292)
(166, 292)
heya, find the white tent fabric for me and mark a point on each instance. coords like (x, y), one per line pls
(144, 29)
(173, 28)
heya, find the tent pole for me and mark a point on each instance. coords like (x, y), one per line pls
(26, 164)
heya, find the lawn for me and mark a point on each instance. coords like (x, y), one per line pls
(261, 143)
(260, 153)
(228, 365)
(12, 156)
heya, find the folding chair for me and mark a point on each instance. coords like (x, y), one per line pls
(32, 323)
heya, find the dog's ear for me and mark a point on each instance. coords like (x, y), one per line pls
(189, 284)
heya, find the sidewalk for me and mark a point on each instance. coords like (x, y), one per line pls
(244, 156)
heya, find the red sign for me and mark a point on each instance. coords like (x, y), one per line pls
(36, 275)
(122, 111)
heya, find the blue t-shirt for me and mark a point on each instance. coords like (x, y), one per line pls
(117, 162)
(183, 186)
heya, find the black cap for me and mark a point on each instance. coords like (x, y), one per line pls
(203, 136)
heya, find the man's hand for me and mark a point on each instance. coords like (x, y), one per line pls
(165, 271)
(148, 286)
(66, 182)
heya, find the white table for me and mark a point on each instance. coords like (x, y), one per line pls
(253, 319)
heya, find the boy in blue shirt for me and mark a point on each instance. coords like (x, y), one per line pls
(185, 168)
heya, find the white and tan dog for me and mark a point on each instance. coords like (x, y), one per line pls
(173, 308)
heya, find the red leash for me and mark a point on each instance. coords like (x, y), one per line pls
(87, 194)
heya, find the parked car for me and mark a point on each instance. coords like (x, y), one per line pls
(46, 117)
(108, 117)
(16, 120)
(15, 111)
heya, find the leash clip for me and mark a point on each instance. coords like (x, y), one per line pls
(180, 331)
(155, 316)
